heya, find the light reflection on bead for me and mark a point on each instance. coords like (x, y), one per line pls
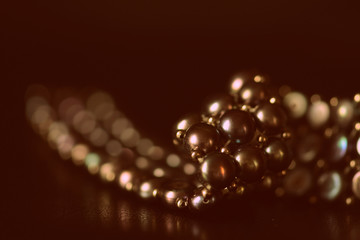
(219, 103)
(127, 179)
(358, 146)
(253, 93)
(148, 187)
(296, 104)
(329, 185)
(318, 114)
(92, 162)
(79, 153)
(344, 112)
(338, 147)
(278, 155)
(356, 185)
(107, 172)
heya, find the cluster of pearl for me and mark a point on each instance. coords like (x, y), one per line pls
(239, 140)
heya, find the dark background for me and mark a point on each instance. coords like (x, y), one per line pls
(159, 61)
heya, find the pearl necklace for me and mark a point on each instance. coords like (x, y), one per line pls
(256, 138)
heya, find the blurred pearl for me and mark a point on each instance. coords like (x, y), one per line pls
(296, 104)
(329, 185)
(201, 138)
(128, 179)
(238, 125)
(278, 155)
(344, 113)
(218, 103)
(252, 163)
(171, 191)
(358, 146)
(298, 181)
(271, 117)
(318, 114)
(239, 80)
(253, 93)
(200, 202)
(218, 169)
(147, 187)
(356, 185)
(337, 147)
(183, 125)
(308, 148)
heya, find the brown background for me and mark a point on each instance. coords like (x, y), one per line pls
(160, 60)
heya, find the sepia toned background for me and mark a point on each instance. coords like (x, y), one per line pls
(159, 61)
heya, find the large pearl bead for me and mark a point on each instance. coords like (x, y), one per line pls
(217, 104)
(271, 117)
(278, 155)
(238, 125)
(252, 163)
(183, 125)
(218, 169)
(253, 93)
(201, 138)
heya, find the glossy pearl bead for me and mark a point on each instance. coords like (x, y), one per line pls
(278, 155)
(218, 104)
(238, 125)
(201, 138)
(183, 125)
(252, 163)
(329, 185)
(218, 169)
(173, 191)
(271, 117)
(201, 201)
(253, 93)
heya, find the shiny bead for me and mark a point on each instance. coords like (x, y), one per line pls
(201, 138)
(238, 125)
(329, 185)
(218, 169)
(271, 117)
(183, 125)
(296, 104)
(128, 179)
(278, 155)
(252, 163)
(253, 93)
(338, 146)
(239, 80)
(298, 182)
(201, 201)
(175, 192)
(358, 146)
(308, 148)
(217, 104)
(356, 185)
(147, 188)
(344, 113)
(318, 114)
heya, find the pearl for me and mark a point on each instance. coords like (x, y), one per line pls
(296, 104)
(218, 169)
(338, 146)
(252, 163)
(278, 155)
(201, 201)
(172, 191)
(238, 125)
(329, 185)
(298, 182)
(271, 117)
(308, 148)
(201, 138)
(344, 113)
(318, 114)
(239, 80)
(218, 103)
(183, 125)
(253, 93)
(356, 185)
(147, 188)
